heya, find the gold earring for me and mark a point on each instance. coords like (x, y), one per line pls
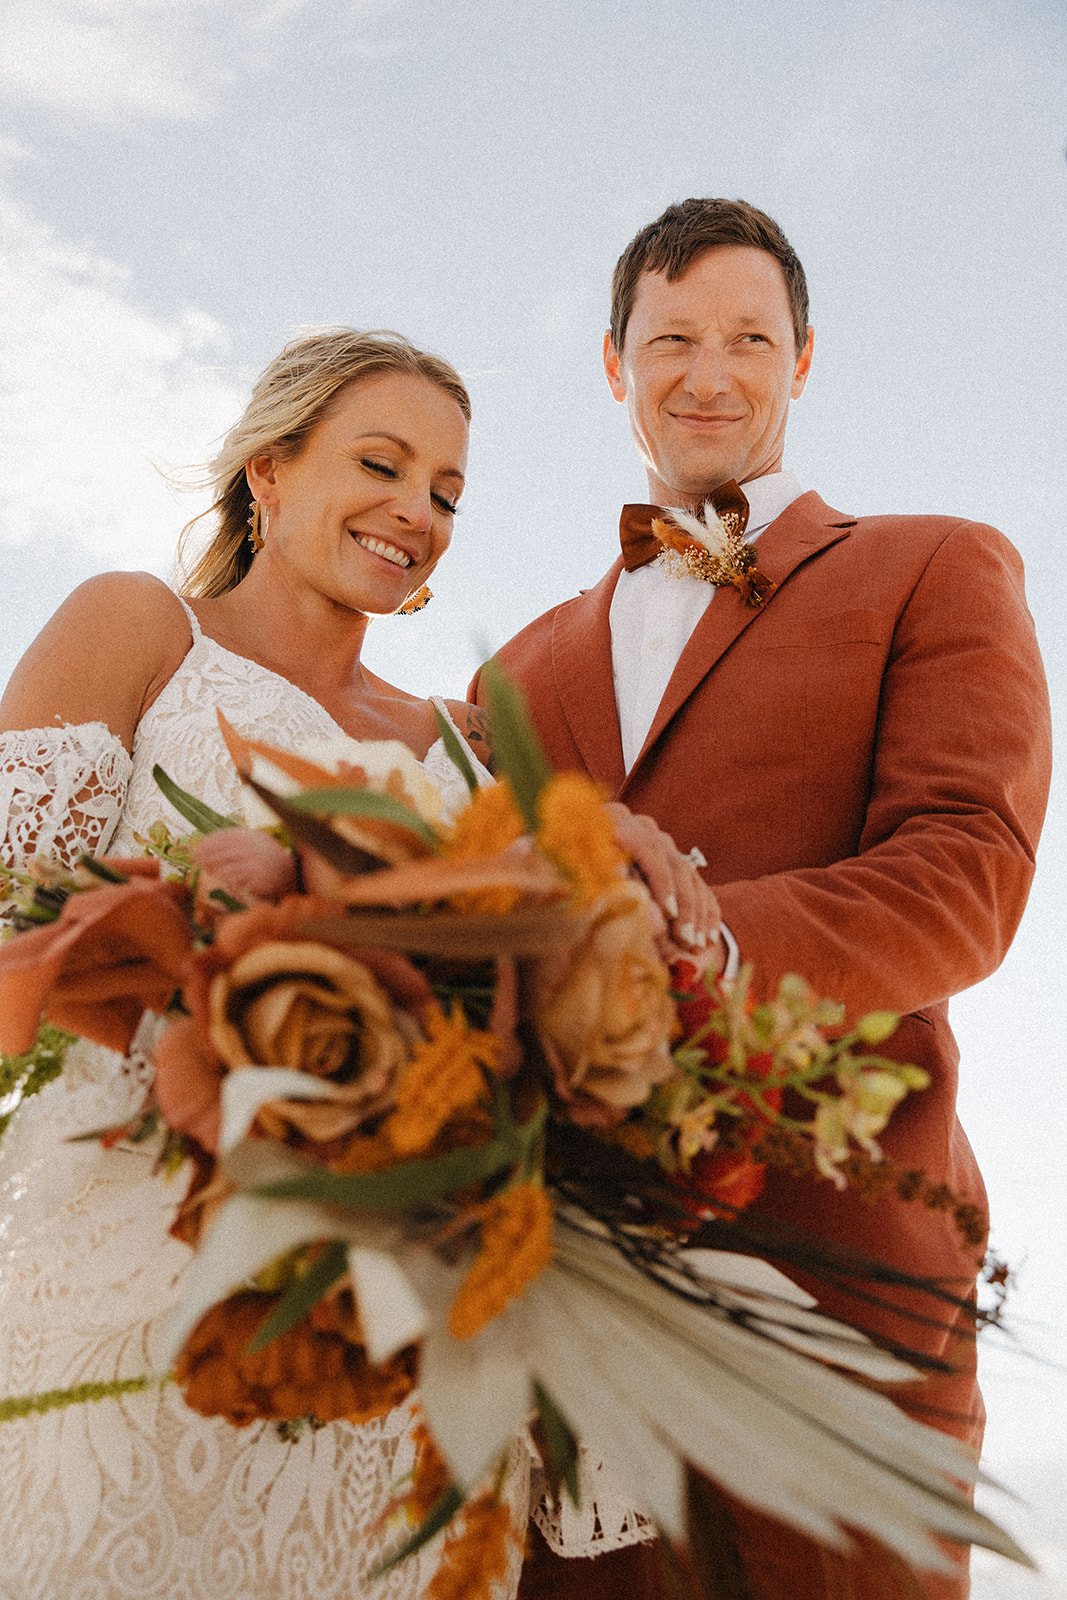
(257, 538)
(416, 602)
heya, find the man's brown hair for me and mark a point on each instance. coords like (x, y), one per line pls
(685, 231)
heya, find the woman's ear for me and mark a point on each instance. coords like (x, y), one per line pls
(261, 475)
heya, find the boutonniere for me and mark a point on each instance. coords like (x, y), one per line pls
(711, 547)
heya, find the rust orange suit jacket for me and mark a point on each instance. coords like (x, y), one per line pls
(864, 763)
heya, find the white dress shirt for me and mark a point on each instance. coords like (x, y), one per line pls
(652, 616)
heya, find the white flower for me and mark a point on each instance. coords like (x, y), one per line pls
(709, 531)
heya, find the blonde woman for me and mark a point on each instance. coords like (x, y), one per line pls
(335, 498)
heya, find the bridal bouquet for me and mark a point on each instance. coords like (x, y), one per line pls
(452, 1121)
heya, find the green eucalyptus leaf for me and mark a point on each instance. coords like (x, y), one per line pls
(203, 819)
(516, 748)
(560, 1440)
(362, 803)
(302, 1295)
(410, 1184)
(101, 870)
(456, 751)
(443, 1510)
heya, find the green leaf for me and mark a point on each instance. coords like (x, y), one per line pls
(302, 1295)
(227, 901)
(203, 819)
(410, 1184)
(362, 803)
(443, 1510)
(516, 747)
(456, 751)
(562, 1445)
(318, 836)
(101, 870)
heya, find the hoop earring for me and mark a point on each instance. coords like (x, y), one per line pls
(257, 535)
(416, 602)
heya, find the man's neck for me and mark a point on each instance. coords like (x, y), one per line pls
(659, 494)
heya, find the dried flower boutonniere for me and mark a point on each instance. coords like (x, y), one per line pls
(711, 547)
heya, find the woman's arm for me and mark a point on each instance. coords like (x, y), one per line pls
(473, 724)
(103, 657)
(70, 712)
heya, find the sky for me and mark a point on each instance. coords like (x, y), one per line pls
(185, 183)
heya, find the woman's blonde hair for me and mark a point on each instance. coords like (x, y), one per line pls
(291, 397)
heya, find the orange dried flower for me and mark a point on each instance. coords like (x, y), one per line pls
(476, 1552)
(364, 1152)
(516, 1248)
(431, 1475)
(490, 824)
(308, 1371)
(444, 1075)
(577, 835)
(633, 1139)
(419, 1491)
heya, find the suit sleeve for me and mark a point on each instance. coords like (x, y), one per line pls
(929, 902)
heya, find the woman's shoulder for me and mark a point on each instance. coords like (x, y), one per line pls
(103, 657)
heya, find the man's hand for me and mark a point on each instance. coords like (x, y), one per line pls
(689, 909)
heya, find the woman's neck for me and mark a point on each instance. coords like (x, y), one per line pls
(317, 645)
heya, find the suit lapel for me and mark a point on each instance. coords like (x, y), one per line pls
(804, 528)
(581, 664)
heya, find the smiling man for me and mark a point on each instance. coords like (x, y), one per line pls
(857, 749)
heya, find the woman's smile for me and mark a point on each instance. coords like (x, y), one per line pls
(379, 547)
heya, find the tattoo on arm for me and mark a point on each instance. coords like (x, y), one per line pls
(475, 729)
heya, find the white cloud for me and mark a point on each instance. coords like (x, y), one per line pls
(97, 393)
(166, 59)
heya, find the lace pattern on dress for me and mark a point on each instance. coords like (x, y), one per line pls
(602, 1520)
(141, 1498)
(61, 791)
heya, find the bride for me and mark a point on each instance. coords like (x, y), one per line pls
(334, 497)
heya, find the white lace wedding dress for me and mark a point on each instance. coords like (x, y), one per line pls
(139, 1498)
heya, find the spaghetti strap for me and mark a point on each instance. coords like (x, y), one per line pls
(442, 706)
(191, 614)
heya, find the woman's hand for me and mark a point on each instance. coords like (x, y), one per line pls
(690, 911)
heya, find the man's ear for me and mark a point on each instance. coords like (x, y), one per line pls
(611, 367)
(803, 366)
(261, 475)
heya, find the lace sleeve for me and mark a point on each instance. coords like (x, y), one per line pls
(61, 791)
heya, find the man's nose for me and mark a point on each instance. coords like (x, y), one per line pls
(707, 372)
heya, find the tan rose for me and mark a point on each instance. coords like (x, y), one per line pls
(306, 1006)
(266, 995)
(604, 1012)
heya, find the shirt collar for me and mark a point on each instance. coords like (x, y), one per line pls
(768, 497)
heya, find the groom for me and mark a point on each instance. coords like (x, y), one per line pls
(861, 757)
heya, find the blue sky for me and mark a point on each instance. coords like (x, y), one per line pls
(185, 182)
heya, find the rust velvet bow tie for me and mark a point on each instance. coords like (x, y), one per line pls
(712, 548)
(641, 544)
